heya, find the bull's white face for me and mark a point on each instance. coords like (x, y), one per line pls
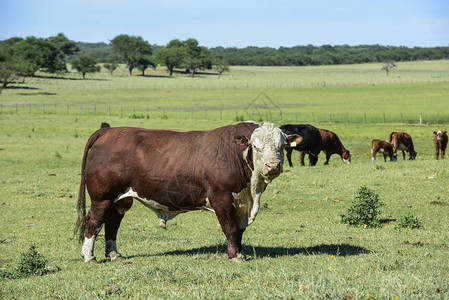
(268, 143)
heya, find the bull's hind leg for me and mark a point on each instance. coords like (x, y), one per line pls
(112, 224)
(95, 220)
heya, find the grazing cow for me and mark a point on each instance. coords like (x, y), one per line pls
(331, 144)
(383, 147)
(402, 141)
(309, 141)
(440, 140)
(224, 170)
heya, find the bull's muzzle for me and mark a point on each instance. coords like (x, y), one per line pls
(273, 168)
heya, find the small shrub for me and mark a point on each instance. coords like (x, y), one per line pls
(364, 210)
(30, 263)
(408, 221)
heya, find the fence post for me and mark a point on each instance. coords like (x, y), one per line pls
(420, 118)
(178, 112)
(347, 118)
(438, 118)
(330, 117)
(81, 109)
(402, 118)
(313, 116)
(43, 108)
(109, 111)
(385, 120)
(121, 112)
(296, 115)
(364, 116)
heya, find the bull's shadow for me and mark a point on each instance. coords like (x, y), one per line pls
(261, 252)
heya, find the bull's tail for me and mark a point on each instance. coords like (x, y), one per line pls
(80, 226)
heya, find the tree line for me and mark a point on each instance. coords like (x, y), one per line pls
(24, 57)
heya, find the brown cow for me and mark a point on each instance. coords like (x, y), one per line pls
(383, 147)
(331, 144)
(224, 170)
(440, 140)
(402, 141)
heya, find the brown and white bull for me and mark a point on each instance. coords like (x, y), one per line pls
(331, 144)
(440, 140)
(402, 141)
(224, 170)
(384, 147)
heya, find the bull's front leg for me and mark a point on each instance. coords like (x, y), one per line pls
(225, 212)
(289, 156)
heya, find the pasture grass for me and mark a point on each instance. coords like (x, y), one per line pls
(298, 248)
(345, 94)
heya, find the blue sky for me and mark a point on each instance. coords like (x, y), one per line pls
(410, 23)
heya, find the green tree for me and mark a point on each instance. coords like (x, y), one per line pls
(198, 57)
(84, 64)
(7, 75)
(172, 56)
(111, 64)
(63, 44)
(131, 49)
(38, 54)
(144, 62)
(387, 66)
(221, 66)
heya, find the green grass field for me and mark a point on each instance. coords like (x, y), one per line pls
(297, 246)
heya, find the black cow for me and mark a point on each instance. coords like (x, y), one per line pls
(309, 142)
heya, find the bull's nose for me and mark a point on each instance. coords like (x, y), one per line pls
(273, 167)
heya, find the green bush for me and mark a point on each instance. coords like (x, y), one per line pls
(364, 210)
(30, 263)
(408, 221)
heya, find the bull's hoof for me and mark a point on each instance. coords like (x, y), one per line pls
(241, 257)
(91, 260)
(115, 256)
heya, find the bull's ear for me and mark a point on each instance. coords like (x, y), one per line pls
(293, 140)
(444, 132)
(241, 140)
(434, 132)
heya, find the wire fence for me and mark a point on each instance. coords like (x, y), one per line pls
(258, 113)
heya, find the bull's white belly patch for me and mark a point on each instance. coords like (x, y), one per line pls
(163, 212)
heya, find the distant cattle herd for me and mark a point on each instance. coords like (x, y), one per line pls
(224, 170)
(312, 141)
